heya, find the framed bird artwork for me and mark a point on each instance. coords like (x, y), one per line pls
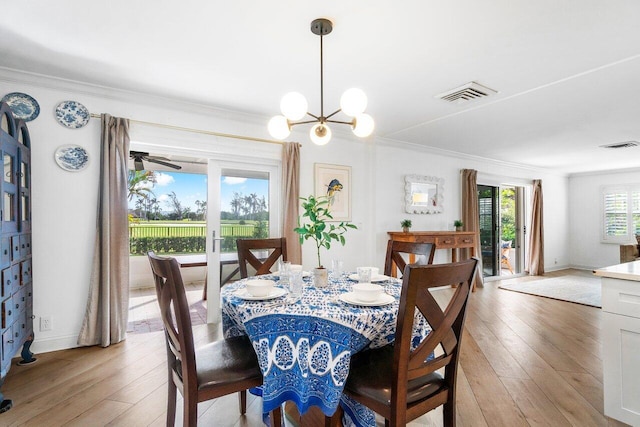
(334, 182)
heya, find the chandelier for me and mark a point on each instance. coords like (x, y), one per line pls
(294, 106)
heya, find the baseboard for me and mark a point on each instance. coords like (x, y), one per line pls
(45, 345)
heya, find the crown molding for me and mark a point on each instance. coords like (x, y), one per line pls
(605, 172)
(74, 87)
(463, 156)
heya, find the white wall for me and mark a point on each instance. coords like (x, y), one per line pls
(64, 203)
(394, 161)
(585, 227)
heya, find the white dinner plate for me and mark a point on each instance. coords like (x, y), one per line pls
(275, 293)
(378, 278)
(350, 298)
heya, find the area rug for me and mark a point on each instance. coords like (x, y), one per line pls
(577, 289)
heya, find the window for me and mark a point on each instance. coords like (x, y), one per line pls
(621, 213)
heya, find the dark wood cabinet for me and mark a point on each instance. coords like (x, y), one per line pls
(16, 293)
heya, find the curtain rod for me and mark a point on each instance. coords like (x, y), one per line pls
(205, 132)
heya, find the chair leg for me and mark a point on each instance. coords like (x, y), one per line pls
(243, 401)
(276, 417)
(190, 416)
(449, 414)
(335, 419)
(171, 403)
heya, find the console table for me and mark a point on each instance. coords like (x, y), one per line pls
(454, 240)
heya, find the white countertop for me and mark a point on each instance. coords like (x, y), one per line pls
(626, 271)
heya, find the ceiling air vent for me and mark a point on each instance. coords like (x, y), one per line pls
(626, 144)
(468, 92)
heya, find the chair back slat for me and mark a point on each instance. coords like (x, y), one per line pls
(246, 255)
(176, 318)
(396, 252)
(446, 324)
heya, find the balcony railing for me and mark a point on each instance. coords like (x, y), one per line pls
(183, 238)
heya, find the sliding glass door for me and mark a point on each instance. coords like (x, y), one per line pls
(488, 207)
(502, 230)
(243, 200)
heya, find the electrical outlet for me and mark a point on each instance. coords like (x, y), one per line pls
(45, 323)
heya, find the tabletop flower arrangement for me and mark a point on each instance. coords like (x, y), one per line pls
(313, 224)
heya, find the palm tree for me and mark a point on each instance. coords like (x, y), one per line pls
(140, 184)
(236, 203)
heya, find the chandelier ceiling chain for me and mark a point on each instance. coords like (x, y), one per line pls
(294, 105)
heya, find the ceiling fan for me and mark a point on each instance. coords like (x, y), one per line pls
(139, 156)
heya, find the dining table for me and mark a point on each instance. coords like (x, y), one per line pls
(227, 258)
(304, 343)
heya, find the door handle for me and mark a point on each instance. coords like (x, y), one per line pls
(214, 238)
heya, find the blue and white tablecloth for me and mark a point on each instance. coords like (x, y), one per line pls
(304, 347)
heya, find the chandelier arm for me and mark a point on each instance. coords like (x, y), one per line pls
(303, 123)
(341, 122)
(334, 113)
(318, 118)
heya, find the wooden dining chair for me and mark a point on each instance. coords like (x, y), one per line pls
(249, 252)
(399, 381)
(209, 371)
(397, 251)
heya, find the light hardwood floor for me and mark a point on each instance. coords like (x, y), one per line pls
(526, 360)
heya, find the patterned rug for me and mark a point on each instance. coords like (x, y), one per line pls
(577, 289)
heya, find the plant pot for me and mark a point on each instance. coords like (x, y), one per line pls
(459, 228)
(320, 277)
(405, 229)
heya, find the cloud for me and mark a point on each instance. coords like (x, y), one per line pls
(162, 179)
(233, 180)
(144, 185)
(163, 198)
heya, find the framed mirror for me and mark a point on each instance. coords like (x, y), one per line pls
(423, 194)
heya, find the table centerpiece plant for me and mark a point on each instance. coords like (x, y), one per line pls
(314, 225)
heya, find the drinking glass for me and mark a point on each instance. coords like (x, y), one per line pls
(284, 271)
(336, 268)
(295, 283)
(364, 274)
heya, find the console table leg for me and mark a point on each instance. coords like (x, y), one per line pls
(26, 354)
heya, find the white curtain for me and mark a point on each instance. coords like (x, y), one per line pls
(105, 320)
(291, 199)
(471, 213)
(536, 242)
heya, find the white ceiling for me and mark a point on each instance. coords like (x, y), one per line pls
(567, 72)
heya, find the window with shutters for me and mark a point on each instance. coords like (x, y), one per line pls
(621, 214)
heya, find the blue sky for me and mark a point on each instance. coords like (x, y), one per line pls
(191, 187)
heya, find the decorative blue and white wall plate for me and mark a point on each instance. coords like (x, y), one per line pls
(72, 114)
(23, 106)
(72, 158)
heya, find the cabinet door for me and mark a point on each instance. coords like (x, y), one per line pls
(9, 186)
(621, 362)
(24, 201)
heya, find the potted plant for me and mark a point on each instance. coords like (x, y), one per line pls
(406, 225)
(316, 228)
(458, 224)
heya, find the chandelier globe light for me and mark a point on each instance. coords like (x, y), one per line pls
(294, 106)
